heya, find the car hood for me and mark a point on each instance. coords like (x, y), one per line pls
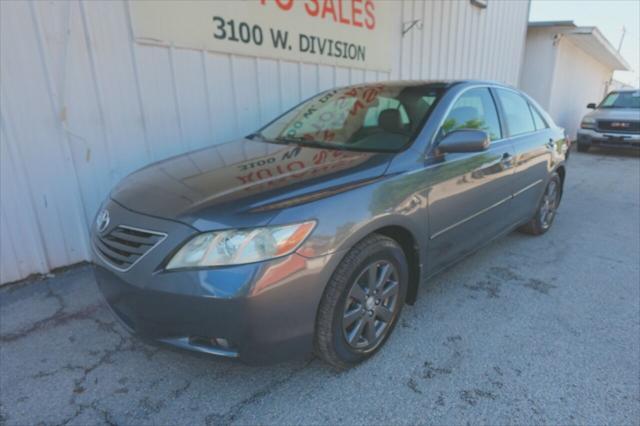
(234, 184)
(615, 114)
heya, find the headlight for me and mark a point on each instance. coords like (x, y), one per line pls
(588, 123)
(235, 247)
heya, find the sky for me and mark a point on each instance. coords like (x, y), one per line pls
(609, 16)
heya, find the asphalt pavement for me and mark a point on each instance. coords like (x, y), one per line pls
(530, 330)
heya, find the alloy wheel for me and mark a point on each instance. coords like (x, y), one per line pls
(371, 305)
(549, 204)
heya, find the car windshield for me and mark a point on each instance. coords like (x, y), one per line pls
(373, 117)
(621, 100)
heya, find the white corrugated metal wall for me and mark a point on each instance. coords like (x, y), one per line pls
(562, 77)
(82, 105)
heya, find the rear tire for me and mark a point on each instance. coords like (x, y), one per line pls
(583, 148)
(547, 208)
(362, 302)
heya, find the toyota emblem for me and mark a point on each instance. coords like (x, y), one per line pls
(102, 221)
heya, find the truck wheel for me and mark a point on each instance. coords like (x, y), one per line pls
(547, 209)
(362, 302)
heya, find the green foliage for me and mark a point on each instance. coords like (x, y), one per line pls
(450, 125)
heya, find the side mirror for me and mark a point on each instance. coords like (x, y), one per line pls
(591, 106)
(466, 140)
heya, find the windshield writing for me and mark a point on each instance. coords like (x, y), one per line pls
(374, 117)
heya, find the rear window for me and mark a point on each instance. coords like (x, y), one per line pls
(372, 118)
(517, 112)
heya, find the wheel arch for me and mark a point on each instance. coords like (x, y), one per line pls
(562, 172)
(404, 232)
(409, 244)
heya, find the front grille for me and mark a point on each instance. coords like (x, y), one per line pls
(619, 126)
(123, 246)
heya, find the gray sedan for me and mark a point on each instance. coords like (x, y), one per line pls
(311, 234)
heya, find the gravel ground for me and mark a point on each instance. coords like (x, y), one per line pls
(529, 330)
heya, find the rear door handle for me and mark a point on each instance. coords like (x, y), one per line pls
(507, 160)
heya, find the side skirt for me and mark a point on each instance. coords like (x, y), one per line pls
(448, 266)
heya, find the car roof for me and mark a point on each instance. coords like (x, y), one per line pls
(445, 83)
(626, 91)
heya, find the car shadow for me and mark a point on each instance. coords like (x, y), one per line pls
(612, 152)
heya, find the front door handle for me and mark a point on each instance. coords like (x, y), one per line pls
(506, 161)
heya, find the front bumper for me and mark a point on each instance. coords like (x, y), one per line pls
(268, 317)
(264, 311)
(588, 137)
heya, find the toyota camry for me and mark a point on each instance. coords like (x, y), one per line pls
(311, 234)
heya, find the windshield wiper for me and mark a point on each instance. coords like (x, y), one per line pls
(279, 139)
(289, 139)
(311, 143)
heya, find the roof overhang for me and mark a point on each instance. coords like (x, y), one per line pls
(588, 39)
(549, 24)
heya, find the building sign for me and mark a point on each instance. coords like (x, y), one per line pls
(353, 33)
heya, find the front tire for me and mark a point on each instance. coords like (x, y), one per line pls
(547, 208)
(362, 302)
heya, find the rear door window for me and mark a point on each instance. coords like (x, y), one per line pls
(539, 122)
(517, 113)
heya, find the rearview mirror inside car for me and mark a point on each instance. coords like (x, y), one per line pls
(591, 106)
(465, 140)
